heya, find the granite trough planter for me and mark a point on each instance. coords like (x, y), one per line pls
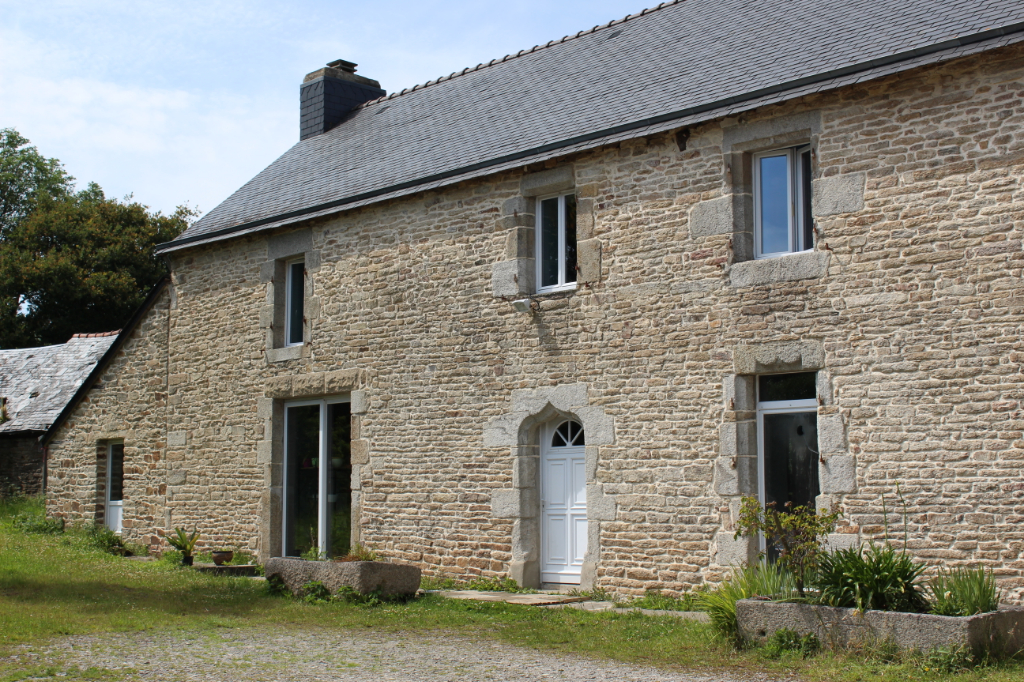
(365, 577)
(1000, 633)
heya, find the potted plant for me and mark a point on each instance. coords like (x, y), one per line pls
(222, 556)
(185, 543)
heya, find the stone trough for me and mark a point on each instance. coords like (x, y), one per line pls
(365, 577)
(1000, 633)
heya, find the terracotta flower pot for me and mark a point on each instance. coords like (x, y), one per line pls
(221, 558)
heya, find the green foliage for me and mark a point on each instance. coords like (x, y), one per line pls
(879, 578)
(796, 533)
(789, 641)
(29, 522)
(315, 592)
(363, 553)
(108, 541)
(351, 596)
(25, 175)
(495, 584)
(79, 263)
(655, 600)
(183, 541)
(956, 659)
(764, 580)
(313, 554)
(964, 592)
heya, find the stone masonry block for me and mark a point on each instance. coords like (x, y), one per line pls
(548, 181)
(714, 216)
(736, 479)
(831, 434)
(503, 430)
(518, 205)
(176, 477)
(525, 540)
(588, 261)
(593, 459)
(782, 356)
(598, 425)
(359, 450)
(278, 387)
(264, 408)
(513, 277)
(731, 551)
(360, 402)
(310, 385)
(836, 541)
(176, 439)
(513, 503)
(264, 452)
(524, 472)
(600, 507)
(289, 244)
(519, 243)
(342, 381)
(789, 268)
(838, 194)
(738, 438)
(739, 392)
(522, 220)
(267, 271)
(838, 474)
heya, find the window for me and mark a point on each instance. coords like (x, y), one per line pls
(556, 243)
(113, 511)
(787, 439)
(782, 202)
(293, 303)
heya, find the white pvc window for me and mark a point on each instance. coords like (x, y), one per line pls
(556, 243)
(295, 293)
(782, 202)
(114, 507)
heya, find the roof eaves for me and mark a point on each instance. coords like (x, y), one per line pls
(858, 72)
(105, 359)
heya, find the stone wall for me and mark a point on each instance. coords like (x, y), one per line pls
(127, 404)
(21, 464)
(909, 308)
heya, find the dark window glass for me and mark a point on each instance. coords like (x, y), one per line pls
(570, 238)
(116, 465)
(549, 243)
(805, 178)
(296, 277)
(339, 479)
(791, 459)
(786, 387)
(774, 198)
(302, 493)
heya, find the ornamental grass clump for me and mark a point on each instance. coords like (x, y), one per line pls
(964, 592)
(879, 578)
(763, 580)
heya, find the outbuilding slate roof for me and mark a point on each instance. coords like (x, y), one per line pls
(39, 382)
(680, 63)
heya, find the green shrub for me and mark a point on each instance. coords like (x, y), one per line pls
(797, 534)
(785, 640)
(879, 578)
(110, 542)
(955, 659)
(183, 541)
(765, 580)
(28, 522)
(315, 592)
(964, 592)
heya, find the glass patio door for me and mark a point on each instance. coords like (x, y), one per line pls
(317, 506)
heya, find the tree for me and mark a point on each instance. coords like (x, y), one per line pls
(25, 174)
(79, 263)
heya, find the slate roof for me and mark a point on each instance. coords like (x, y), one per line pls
(39, 382)
(680, 63)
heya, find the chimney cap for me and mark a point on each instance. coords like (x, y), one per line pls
(343, 65)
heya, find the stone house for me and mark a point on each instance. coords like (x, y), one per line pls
(35, 385)
(555, 315)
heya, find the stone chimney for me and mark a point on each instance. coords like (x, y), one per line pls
(330, 93)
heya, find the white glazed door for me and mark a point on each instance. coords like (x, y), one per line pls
(114, 510)
(563, 509)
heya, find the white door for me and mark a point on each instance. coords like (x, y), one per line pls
(563, 503)
(113, 511)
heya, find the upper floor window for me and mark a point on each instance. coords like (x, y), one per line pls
(294, 314)
(556, 243)
(782, 202)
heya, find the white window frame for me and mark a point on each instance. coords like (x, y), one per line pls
(795, 190)
(289, 284)
(562, 285)
(107, 501)
(322, 520)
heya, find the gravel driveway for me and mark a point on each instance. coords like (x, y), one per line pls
(304, 654)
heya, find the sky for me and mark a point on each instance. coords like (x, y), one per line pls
(183, 102)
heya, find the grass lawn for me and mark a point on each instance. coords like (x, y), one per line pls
(53, 585)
